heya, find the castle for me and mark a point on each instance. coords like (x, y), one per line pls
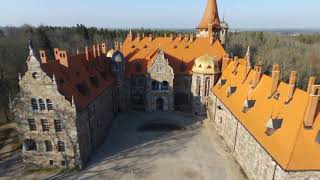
(66, 104)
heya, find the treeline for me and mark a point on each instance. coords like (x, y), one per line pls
(300, 53)
(293, 53)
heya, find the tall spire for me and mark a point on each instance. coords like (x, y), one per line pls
(210, 16)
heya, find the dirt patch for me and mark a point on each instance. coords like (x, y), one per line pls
(160, 127)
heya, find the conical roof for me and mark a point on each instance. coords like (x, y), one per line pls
(210, 15)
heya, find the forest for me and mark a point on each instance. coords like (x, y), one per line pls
(292, 52)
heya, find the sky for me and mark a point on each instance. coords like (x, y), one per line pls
(160, 13)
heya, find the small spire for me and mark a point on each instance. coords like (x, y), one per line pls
(72, 101)
(248, 57)
(78, 52)
(30, 46)
(9, 97)
(19, 77)
(54, 79)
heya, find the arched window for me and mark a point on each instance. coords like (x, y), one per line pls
(207, 87)
(198, 86)
(165, 85)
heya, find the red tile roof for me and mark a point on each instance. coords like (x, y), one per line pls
(84, 80)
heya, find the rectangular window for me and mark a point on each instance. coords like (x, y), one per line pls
(63, 163)
(32, 125)
(45, 125)
(48, 145)
(61, 147)
(57, 125)
(34, 104)
(42, 105)
(51, 162)
(49, 105)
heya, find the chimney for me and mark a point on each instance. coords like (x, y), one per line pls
(43, 56)
(64, 58)
(210, 28)
(191, 38)
(87, 53)
(94, 51)
(180, 37)
(116, 45)
(103, 48)
(292, 86)
(138, 37)
(275, 79)
(150, 37)
(171, 37)
(98, 50)
(56, 52)
(211, 40)
(120, 46)
(312, 81)
(165, 35)
(235, 65)
(257, 75)
(225, 62)
(130, 36)
(246, 73)
(186, 37)
(313, 102)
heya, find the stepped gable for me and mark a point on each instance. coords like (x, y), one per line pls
(83, 76)
(180, 51)
(292, 145)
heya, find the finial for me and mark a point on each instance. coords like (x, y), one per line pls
(54, 79)
(72, 101)
(19, 77)
(30, 46)
(9, 97)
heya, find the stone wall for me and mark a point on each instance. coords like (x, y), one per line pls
(41, 87)
(93, 122)
(251, 156)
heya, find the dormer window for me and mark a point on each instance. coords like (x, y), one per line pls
(231, 90)
(273, 125)
(209, 67)
(247, 105)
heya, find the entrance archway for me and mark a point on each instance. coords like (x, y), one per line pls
(159, 104)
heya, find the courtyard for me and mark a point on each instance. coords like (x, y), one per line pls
(157, 146)
(147, 146)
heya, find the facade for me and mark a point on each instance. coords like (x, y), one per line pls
(66, 105)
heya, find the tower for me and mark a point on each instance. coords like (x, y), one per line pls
(210, 22)
(205, 73)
